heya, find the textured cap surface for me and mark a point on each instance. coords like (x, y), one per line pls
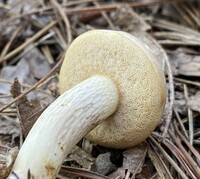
(140, 80)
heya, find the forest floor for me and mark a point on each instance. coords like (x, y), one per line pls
(34, 36)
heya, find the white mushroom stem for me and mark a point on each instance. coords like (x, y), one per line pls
(63, 124)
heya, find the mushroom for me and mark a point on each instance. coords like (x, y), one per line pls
(136, 72)
(114, 91)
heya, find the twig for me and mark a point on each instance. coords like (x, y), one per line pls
(59, 36)
(178, 43)
(164, 24)
(171, 97)
(193, 166)
(180, 123)
(113, 6)
(192, 149)
(159, 163)
(106, 8)
(8, 45)
(189, 10)
(153, 142)
(187, 82)
(190, 117)
(180, 157)
(105, 16)
(83, 173)
(48, 55)
(29, 41)
(194, 14)
(65, 19)
(182, 11)
(185, 37)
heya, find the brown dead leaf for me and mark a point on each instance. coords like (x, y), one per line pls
(132, 162)
(28, 111)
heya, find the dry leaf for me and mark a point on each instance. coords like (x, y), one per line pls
(28, 111)
(38, 65)
(125, 18)
(184, 64)
(20, 71)
(103, 165)
(193, 102)
(9, 130)
(132, 162)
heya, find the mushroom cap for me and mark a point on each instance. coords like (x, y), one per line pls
(138, 75)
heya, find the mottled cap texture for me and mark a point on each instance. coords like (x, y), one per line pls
(138, 75)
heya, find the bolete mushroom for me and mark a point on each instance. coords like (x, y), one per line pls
(131, 65)
(107, 76)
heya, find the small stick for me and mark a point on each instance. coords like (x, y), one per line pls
(185, 37)
(47, 53)
(29, 41)
(153, 142)
(60, 38)
(182, 11)
(192, 149)
(190, 117)
(38, 42)
(187, 82)
(180, 157)
(191, 163)
(65, 19)
(178, 42)
(164, 24)
(105, 16)
(83, 173)
(181, 123)
(8, 45)
(171, 97)
(107, 8)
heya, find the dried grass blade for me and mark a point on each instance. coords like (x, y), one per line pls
(193, 166)
(159, 164)
(180, 123)
(153, 142)
(180, 157)
(190, 117)
(192, 149)
(29, 41)
(82, 172)
(9, 44)
(65, 20)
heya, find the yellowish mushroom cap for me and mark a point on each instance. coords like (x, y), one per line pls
(139, 77)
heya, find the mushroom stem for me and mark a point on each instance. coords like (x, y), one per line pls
(60, 127)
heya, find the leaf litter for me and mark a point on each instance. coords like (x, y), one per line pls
(34, 37)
